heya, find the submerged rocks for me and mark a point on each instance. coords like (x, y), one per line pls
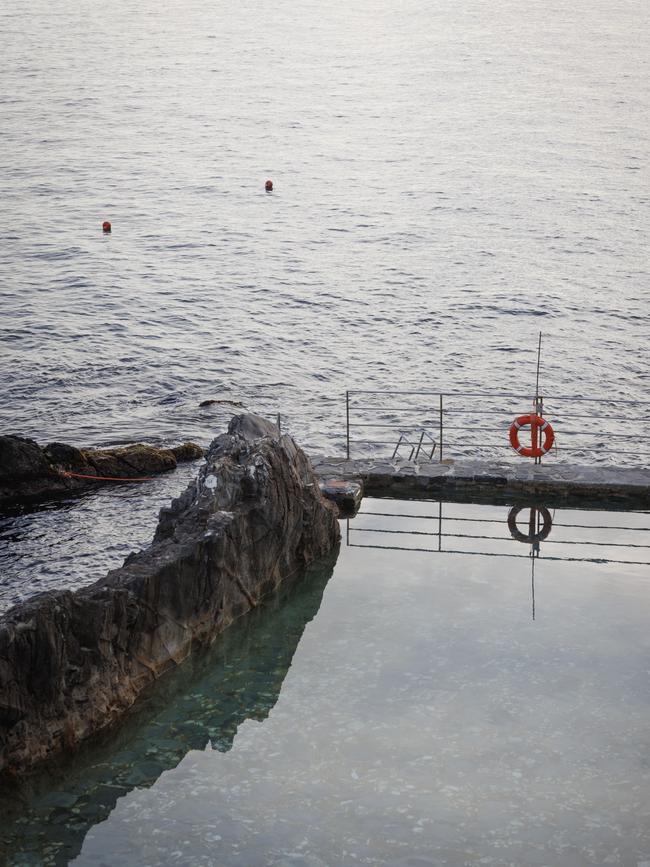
(71, 663)
(29, 472)
(212, 401)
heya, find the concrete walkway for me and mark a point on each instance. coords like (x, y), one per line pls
(466, 479)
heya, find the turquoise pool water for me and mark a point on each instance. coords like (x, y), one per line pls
(394, 707)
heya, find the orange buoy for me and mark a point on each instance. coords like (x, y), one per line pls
(536, 422)
(268, 186)
(106, 226)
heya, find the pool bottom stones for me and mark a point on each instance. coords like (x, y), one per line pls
(72, 663)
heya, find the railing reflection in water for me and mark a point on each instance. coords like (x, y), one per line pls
(570, 535)
(532, 526)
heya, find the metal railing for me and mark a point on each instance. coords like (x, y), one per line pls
(476, 424)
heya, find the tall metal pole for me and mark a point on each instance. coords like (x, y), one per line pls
(532, 582)
(440, 452)
(535, 433)
(539, 355)
(347, 424)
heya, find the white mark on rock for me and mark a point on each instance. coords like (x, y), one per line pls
(210, 482)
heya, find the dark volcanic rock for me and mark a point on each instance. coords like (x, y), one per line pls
(25, 468)
(71, 663)
(29, 472)
(346, 493)
(187, 452)
(222, 401)
(135, 460)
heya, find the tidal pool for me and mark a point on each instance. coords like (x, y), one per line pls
(464, 703)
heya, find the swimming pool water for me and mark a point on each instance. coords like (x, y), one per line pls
(394, 707)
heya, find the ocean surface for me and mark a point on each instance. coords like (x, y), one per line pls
(450, 180)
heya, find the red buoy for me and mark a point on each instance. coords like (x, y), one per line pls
(268, 186)
(106, 226)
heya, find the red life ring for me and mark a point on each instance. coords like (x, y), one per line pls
(515, 532)
(535, 421)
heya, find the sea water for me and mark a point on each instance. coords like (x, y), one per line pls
(450, 179)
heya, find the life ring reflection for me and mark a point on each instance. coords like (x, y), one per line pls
(531, 537)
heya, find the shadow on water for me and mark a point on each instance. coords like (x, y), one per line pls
(45, 817)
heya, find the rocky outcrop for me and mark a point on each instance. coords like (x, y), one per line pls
(72, 663)
(29, 472)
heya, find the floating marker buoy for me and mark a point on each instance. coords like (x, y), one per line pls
(268, 186)
(106, 226)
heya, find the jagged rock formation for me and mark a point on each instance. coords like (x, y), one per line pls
(72, 663)
(29, 472)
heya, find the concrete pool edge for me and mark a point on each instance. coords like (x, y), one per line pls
(465, 479)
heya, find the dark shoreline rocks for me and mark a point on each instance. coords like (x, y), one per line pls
(212, 401)
(29, 472)
(72, 663)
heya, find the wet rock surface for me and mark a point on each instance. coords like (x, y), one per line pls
(72, 663)
(346, 493)
(212, 401)
(29, 472)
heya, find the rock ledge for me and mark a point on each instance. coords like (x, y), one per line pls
(29, 472)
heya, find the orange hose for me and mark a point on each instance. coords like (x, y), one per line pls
(106, 478)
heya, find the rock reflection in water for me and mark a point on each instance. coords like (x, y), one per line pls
(202, 704)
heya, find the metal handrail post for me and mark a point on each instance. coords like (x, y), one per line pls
(441, 429)
(417, 451)
(539, 410)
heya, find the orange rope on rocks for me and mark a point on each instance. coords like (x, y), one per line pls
(106, 478)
